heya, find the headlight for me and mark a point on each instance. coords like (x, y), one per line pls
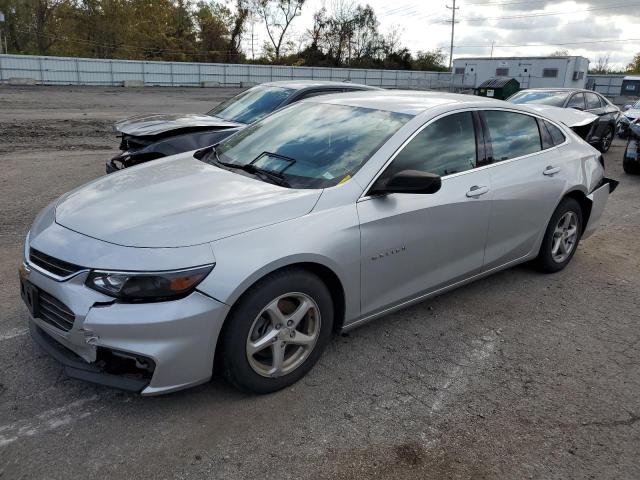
(142, 286)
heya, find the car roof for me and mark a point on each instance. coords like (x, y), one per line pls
(411, 102)
(304, 84)
(559, 89)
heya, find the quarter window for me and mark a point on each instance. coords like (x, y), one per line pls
(446, 146)
(512, 134)
(556, 134)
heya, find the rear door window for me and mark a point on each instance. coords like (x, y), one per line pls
(577, 102)
(512, 134)
(593, 102)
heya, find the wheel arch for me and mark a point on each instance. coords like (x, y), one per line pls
(324, 272)
(323, 269)
(584, 202)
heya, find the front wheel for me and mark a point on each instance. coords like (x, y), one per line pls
(561, 237)
(607, 139)
(277, 331)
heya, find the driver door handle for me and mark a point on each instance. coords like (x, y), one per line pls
(476, 191)
(551, 170)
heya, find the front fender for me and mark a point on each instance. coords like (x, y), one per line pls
(330, 238)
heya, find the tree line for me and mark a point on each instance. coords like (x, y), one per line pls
(345, 35)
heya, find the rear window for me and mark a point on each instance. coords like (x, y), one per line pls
(543, 97)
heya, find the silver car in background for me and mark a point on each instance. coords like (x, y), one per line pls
(320, 217)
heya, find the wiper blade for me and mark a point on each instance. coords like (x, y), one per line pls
(267, 175)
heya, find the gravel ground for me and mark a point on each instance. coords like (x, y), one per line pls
(520, 375)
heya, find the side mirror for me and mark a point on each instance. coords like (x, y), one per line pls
(626, 107)
(407, 181)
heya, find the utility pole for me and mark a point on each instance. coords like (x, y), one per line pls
(453, 25)
(253, 53)
(3, 34)
(492, 48)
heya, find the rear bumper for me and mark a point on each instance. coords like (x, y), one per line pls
(598, 202)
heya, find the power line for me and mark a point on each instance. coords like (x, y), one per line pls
(546, 14)
(552, 44)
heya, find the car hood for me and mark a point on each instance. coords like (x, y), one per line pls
(154, 124)
(175, 202)
(569, 116)
(632, 113)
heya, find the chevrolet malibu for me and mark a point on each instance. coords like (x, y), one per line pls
(320, 217)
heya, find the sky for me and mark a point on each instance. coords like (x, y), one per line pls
(509, 24)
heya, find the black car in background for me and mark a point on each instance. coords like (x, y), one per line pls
(600, 133)
(149, 137)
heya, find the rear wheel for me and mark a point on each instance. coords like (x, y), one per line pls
(277, 331)
(561, 237)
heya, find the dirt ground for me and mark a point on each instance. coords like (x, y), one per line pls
(520, 375)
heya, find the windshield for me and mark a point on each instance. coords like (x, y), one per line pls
(251, 105)
(546, 97)
(312, 145)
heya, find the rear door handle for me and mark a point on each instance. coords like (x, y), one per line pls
(476, 191)
(551, 170)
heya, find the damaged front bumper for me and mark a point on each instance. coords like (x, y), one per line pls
(151, 348)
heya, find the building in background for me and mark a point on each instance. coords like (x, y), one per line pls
(530, 72)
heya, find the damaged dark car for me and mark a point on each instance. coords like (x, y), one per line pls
(599, 133)
(149, 137)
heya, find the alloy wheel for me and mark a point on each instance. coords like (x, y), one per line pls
(565, 237)
(283, 335)
(607, 139)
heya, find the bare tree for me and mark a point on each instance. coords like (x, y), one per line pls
(277, 16)
(602, 65)
(560, 53)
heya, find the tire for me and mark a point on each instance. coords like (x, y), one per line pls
(632, 168)
(267, 331)
(549, 259)
(607, 139)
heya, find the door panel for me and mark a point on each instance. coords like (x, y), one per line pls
(526, 182)
(523, 201)
(414, 244)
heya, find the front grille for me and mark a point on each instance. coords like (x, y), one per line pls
(54, 312)
(51, 264)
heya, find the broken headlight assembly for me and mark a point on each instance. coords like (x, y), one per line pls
(147, 286)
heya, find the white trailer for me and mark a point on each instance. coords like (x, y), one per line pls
(531, 72)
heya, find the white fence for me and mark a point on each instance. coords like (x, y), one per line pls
(608, 85)
(88, 71)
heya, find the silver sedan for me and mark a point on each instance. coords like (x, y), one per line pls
(247, 255)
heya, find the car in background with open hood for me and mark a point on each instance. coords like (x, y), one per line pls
(600, 132)
(149, 137)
